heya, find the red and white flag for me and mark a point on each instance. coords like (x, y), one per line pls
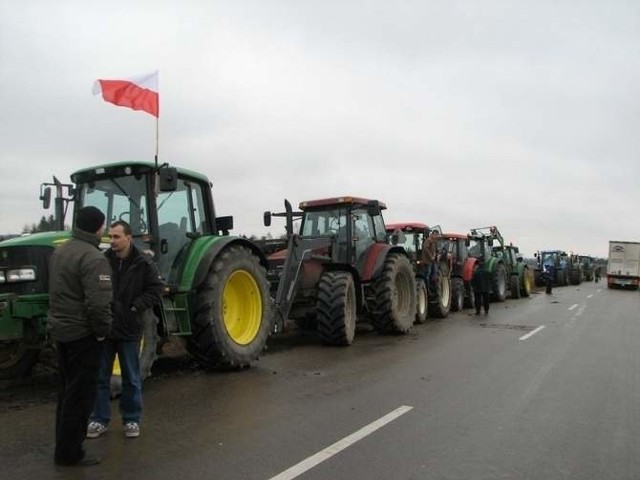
(138, 93)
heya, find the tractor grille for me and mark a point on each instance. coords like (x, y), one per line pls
(36, 257)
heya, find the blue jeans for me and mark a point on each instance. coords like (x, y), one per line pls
(131, 398)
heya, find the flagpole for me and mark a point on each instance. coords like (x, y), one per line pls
(157, 139)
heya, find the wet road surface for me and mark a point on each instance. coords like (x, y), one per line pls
(543, 388)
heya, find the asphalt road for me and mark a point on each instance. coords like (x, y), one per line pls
(467, 397)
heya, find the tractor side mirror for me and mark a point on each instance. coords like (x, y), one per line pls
(535, 255)
(168, 179)
(373, 208)
(467, 242)
(46, 198)
(224, 224)
(266, 218)
(490, 242)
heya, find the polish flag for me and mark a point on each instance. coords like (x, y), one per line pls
(138, 93)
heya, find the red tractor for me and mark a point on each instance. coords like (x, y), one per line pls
(340, 268)
(433, 292)
(462, 265)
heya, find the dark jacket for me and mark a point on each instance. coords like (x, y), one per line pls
(80, 290)
(137, 286)
(481, 280)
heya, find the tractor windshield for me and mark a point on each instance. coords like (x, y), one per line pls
(548, 258)
(323, 223)
(478, 248)
(120, 198)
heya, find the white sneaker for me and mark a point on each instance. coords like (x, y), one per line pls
(131, 429)
(95, 429)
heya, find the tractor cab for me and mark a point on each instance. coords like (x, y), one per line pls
(166, 208)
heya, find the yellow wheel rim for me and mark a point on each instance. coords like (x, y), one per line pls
(242, 307)
(527, 283)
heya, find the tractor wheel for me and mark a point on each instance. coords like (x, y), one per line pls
(525, 286)
(538, 281)
(499, 283)
(457, 294)
(18, 357)
(422, 301)
(148, 352)
(441, 305)
(231, 311)
(469, 297)
(336, 310)
(394, 296)
(514, 286)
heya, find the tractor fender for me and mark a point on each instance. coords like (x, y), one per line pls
(204, 251)
(372, 261)
(467, 269)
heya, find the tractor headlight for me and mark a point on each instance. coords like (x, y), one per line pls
(21, 275)
(3, 279)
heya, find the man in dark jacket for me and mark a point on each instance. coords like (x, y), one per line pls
(80, 294)
(137, 287)
(481, 282)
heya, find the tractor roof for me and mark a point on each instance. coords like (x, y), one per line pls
(348, 200)
(462, 236)
(406, 226)
(118, 169)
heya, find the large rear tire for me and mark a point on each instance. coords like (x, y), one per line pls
(231, 311)
(422, 301)
(499, 283)
(394, 296)
(336, 310)
(457, 294)
(440, 306)
(514, 286)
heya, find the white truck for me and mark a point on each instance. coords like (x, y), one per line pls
(623, 267)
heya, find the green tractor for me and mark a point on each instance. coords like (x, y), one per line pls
(216, 304)
(481, 242)
(517, 270)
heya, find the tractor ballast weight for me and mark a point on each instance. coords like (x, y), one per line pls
(216, 301)
(433, 292)
(339, 268)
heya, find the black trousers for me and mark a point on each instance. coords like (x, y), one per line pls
(481, 299)
(78, 365)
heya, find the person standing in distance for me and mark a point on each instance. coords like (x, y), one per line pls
(481, 282)
(137, 287)
(80, 295)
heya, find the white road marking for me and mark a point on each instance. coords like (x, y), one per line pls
(531, 333)
(589, 296)
(340, 445)
(573, 306)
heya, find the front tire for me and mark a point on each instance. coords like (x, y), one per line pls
(422, 301)
(440, 306)
(231, 311)
(336, 308)
(18, 357)
(457, 294)
(499, 283)
(394, 296)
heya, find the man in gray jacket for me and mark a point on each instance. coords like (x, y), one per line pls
(80, 295)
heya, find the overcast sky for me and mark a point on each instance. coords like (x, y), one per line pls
(520, 114)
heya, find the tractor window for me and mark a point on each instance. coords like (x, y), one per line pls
(179, 212)
(380, 231)
(363, 231)
(412, 243)
(324, 223)
(120, 198)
